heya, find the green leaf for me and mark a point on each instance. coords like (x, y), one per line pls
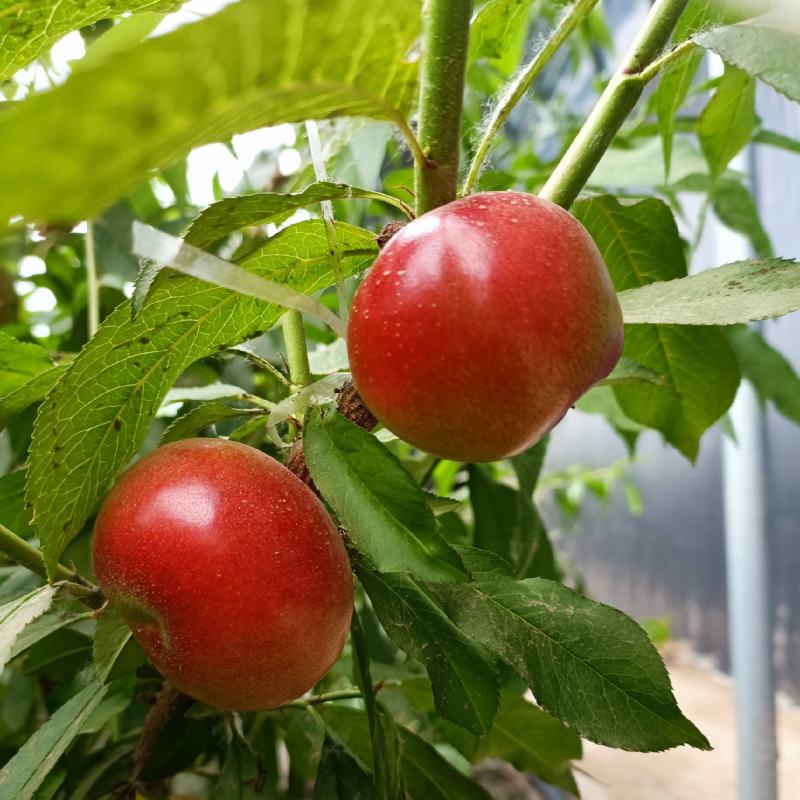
(736, 208)
(50, 622)
(111, 639)
(496, 27)
(28, 30)
(532, 741)
(20, 362)
(484, 561)
(642, 164)
(744, 291)
(382, 730)
(33, 391)
(234, 213)
(770, 373)
(587, 664)
(198, 419)
(340, 777)
(506, 520)
(674, 84)
(601, 400)
(629, 371)
(429, 776)
(17, 614)
(119, 697)
(779, 140)
(464, 679)
(640, 244)
(426, 774)
(727, 121)
(27, 770)
(669, 96)
(99, 413)
(240, 774)
(13, 513)
(283, 61)
(765, 47)
(385, 512)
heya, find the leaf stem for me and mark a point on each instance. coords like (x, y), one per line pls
(660, 64)
(341, 694)
(613, 106)
(32, 558)
(446, 39)
(294, 335)
(92, 284)
(517, 88)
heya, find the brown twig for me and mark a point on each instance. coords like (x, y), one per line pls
(170, 703)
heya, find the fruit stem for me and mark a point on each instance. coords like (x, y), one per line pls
(517, 88)
(613, 106)
(294, 335)
(446, 41)
(32, 558)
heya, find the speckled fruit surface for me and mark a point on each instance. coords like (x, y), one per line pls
(481, 323)
(229, 571)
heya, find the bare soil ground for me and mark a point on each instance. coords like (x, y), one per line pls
(706, 697)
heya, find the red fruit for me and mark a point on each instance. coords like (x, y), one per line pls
(481, 323)
(229, 571)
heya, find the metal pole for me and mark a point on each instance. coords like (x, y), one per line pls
(749, 607)
(747, 561)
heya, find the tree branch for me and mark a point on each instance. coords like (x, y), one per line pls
(613, 106)
(446, 39)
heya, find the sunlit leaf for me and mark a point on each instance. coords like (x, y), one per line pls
(99, 413)
(143, 108)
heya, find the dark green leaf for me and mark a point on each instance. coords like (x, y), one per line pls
(587, 664)
(464, 679)
(340, 777)
(234, 213)
(99, 413)
(385, 512)
(484, 561)
(148, 105)
(727, 121)
(640, 244)
(427, 775)
(765, 47)
(532, 741)
(27, 770)
(200, 418)
(240, 776)
(382, 731)
(13, 513)
(111, 640)
(768, 370)
(33, 391)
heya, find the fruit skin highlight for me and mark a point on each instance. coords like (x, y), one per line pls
(481, 323)
(229, 571)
